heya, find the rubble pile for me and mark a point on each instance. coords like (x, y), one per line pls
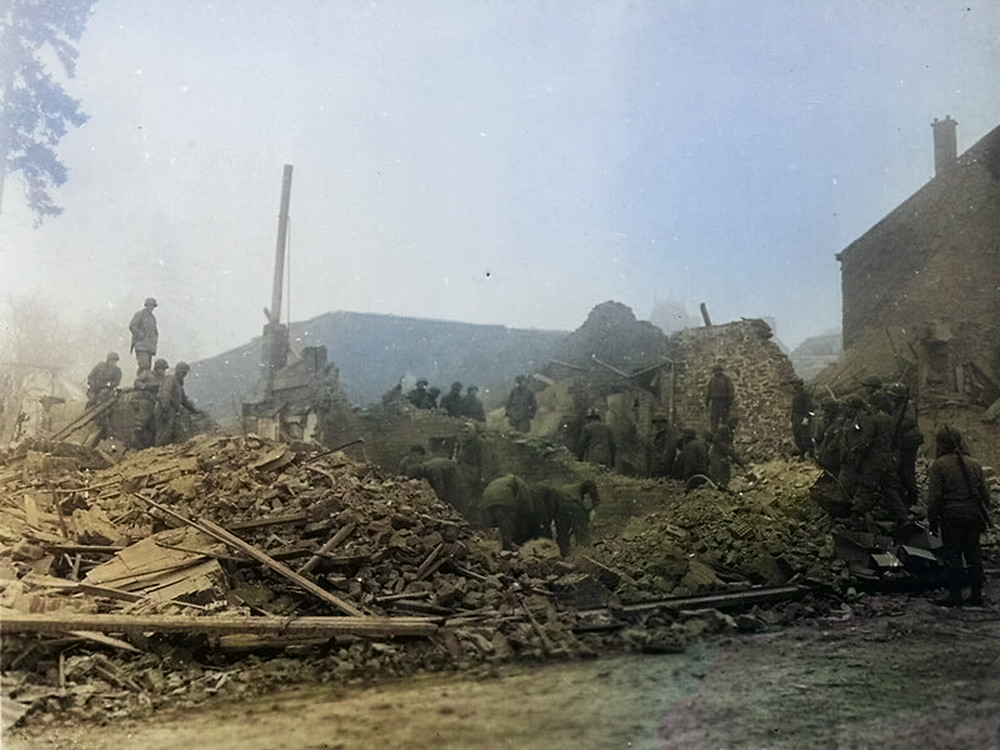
(217, 557)
(765, 530)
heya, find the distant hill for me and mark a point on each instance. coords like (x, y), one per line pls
(373, 352)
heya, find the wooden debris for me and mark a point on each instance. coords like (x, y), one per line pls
(17, 622)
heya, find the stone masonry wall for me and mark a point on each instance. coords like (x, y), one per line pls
(761, 373)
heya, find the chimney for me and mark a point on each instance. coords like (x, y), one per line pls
(945, 144)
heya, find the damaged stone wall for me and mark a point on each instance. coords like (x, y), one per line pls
(761, 373)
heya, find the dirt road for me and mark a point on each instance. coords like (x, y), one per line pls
(912, 675)
(604, 703)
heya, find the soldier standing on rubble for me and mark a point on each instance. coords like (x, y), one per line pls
(147, 387)
(802, 414)
(103, 380)
(719, 395)
(830, 439)
(521, 406)
(663, 447)
(877, 489)
(170, 399)
(597, 445)
(722, 454)
(958, 502)
(144, 334)
(451, 402)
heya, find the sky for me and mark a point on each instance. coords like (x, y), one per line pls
(491, 161)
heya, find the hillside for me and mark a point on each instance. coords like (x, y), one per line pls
(373, 352)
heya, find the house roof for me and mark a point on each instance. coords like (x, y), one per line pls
(983, 155)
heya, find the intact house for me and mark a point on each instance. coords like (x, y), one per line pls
(921, 288)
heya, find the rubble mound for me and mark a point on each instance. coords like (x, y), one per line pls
(765, 530)
(229, 565)
(613, 335)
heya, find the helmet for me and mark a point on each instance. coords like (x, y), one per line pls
(872, 381)
(456, 386)
(150, 302)
(896, 390)
(182, 367)
(160, 364)
(422, 381)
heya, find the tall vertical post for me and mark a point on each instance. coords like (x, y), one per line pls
(275, 340)
(279, 250)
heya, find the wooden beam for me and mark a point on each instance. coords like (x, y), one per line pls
(235, 542)
(12, 621)
(344, 532)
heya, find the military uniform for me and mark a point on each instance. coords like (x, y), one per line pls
(520, 514)
(144, 335)
(596, 443)
(521, 406)
(103, 379)
(451, 402)
(170, 399)
(957, 504)
(719, 395)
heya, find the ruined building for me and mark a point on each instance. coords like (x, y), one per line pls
(921, 286)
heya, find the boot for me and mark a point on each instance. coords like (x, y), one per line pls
(976, 596)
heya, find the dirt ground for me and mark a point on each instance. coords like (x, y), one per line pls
(890, 672)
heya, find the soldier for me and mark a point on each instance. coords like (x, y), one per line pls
(520, 514)
(444, 477)
(876, 488)
(830, 439)
(103, 380)
(431, 402)
(870, 386)
(521, 406)
(147, 387)
(802, 414)
(569, 506)
(144, 334)
(170, 399)
(719, 395)
(908, 438)
(597, 445)
(472, 407)
(663, 447)
(958, 502)
(722, 453)
(418, 396)
(451, 402)
(692, 455)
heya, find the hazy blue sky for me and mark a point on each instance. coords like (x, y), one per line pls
(505, 162)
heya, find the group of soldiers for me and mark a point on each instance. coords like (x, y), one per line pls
(457, 404)
(159, 403)
(869, 442)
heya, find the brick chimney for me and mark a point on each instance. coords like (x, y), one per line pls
(945, 144)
